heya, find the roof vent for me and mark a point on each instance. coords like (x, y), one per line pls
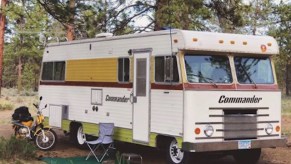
(103, 35)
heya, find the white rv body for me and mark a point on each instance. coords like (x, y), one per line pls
(181, 109)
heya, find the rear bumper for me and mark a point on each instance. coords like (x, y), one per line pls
(232, 145)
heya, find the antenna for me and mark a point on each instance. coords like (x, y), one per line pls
(171, 38)
(170, 23)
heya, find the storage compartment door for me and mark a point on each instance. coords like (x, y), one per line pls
(55, 115)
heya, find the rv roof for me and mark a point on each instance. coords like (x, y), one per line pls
(202, 41)
(225, 42)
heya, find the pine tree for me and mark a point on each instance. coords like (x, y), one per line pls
(281, 30)
(26, 22)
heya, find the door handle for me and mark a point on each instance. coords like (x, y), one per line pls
(133, 99)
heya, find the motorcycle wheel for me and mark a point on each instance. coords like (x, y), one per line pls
(46, 141)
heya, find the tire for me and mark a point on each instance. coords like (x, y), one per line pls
(46, 142)
(251, 156)
(77, 136)
(176, 155)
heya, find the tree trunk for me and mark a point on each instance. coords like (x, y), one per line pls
(287, 79)
(70, 32)
(19, 77)
(70, 25)
(2, 32)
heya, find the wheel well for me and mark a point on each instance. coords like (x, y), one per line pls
(74, 125)
(162, 141)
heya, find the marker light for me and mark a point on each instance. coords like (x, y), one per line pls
(197, 131)
(263, 48)
(278, 128)
(269, 129)
(208, 130)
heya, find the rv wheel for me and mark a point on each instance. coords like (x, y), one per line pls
(251, 156)
(77, 136)
(175, 155)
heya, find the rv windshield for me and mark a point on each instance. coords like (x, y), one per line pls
(207, 69)
(250, 70)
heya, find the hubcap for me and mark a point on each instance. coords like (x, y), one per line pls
(80, 136)
(45, 139)
(176, 154)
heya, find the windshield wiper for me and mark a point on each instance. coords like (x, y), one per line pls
(206, 79)
(209, 80)
(248, 76)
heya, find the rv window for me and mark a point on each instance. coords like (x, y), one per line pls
(207, 69)
(123, 69)
(166, 69)
(53, 71)
(250, 70)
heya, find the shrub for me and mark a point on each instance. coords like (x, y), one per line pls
(27, 92)
(14, 148)
(6, 106)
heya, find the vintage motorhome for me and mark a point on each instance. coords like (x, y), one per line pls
(185, 91)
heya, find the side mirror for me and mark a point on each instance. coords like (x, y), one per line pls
(40, 98)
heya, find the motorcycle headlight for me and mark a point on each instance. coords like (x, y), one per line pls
(208, 130)
(269, 129)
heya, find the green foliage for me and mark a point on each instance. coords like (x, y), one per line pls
(281, 30)
(28, 76)
(229, 14)
(32, 24)
(16, 148)
(90, 17)
(188, 15)
(286, 105)
(23, 51)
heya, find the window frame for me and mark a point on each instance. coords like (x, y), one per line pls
(129, 63)
(178, 70)
(53, 72)
(97, 91)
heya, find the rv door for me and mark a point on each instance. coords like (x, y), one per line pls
(141, 88)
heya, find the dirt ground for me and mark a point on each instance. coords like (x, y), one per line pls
(150, 156)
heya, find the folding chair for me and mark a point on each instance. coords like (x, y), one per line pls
(106, 131)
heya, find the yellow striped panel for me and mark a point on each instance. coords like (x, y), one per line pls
(182, 67)
(131, 61)
(120, 134)
(97, 70)
(66, 125)
(90, 128)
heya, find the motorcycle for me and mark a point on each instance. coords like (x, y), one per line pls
(26, 127)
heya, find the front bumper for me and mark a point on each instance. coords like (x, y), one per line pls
(232, 145)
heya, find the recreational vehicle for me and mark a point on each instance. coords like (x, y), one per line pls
(182, 91)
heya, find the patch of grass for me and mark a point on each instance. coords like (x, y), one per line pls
(286, 105)
(6, 106)
(14, 148)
